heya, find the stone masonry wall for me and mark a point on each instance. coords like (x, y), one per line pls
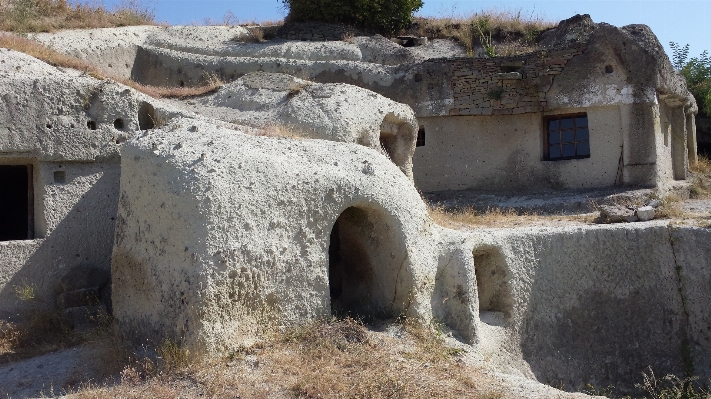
(316, 31)
(507, 85)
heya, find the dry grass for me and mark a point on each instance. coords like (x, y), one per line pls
(52, 15)
(702, 165)
(670, 207)
(497, 217)
(701, 179)
(324, 359)
(43, 332)
(516, 33)
(57, 59)
(257, 34)
(279, 130)
(47, 54)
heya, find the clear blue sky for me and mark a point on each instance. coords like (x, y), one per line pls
(681, 21)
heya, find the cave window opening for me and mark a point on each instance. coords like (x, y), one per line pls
(356, 287)
(420, 137)
(16, 202)
(146, 116)
(492, 284)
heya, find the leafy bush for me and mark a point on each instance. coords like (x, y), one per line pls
(386, 16)
(697, 72)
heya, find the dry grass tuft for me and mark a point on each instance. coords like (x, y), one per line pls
(514, 32)
(47, 54)
(497, 217)
(701, 179)
(43, 332)
(279, 131)
(702, 165)
(256, 35)
(213, 85)
(51, 15)
(670, 207)
(57, 59)
(324, 359)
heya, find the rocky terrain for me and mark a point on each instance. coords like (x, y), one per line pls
(218, 215)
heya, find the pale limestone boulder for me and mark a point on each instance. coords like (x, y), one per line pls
(335, 111)
(220, 233)
(645, 213)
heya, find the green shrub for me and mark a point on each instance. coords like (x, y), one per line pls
(697, 72)
(386, 16)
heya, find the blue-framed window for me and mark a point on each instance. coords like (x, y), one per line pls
(567, 137)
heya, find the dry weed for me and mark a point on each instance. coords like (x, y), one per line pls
(324, 359)
(57, 59)
(213, 84)
(172, 356)
(670, 207)
(702, 165)
(52, 15)
(43, 332)
(701, 178)
(516, 33)
(497, 217)
(256, 35)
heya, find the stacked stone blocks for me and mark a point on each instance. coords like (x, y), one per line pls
(507, 85)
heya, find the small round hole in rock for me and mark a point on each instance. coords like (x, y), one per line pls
(118, 123)
(609, 69)
(91, 125)
(49, 126)
(182, 84)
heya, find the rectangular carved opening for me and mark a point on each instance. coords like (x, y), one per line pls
(16, 203)
(420, 137)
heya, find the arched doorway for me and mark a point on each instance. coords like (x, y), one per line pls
(362, 269)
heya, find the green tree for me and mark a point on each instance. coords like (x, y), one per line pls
(386, 16)
(697, 72)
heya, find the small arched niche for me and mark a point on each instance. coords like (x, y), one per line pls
(492, 283)
(397, 140)
(146, 116)
(362, 271)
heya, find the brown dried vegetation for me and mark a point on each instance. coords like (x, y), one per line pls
(57, 59)
(325, 359)
(512, 32)
(701, 179)
(498, 217)
(52, 15)
(43, 332)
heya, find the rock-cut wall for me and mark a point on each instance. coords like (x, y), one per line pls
(596, 304)
(219, 233)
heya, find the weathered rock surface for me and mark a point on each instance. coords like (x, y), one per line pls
(218, 231)
(645, 213)
(595, 304)
(336, 112)
(617, 213)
